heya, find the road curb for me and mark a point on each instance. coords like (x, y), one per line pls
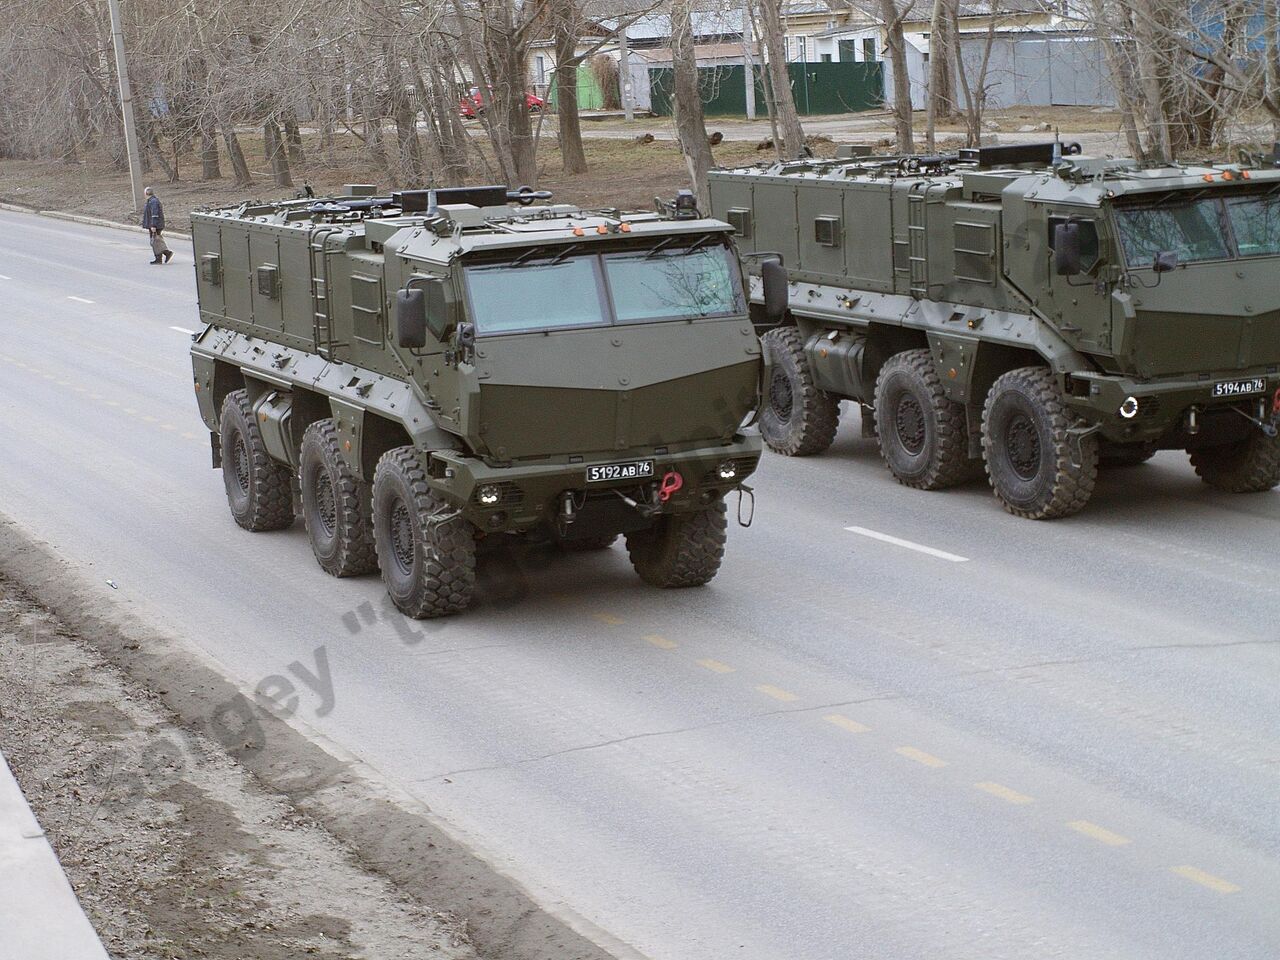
(40, 917)
(89, 221)
(391, 832)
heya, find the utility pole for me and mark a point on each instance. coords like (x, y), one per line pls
(126, 106)
(624, 76)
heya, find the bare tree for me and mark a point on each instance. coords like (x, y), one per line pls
(782, 103)
(691, 126)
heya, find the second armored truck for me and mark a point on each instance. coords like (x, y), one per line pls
(420, 372)
(1017, 310)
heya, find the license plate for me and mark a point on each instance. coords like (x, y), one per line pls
(631, 470)
(1240, 388)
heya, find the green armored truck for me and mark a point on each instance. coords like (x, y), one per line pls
(415, 374)
(1024, 310)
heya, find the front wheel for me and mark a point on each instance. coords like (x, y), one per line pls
(426, 549)
(1251, 465)
(680, 550)
(1034, 468)
(796, 418)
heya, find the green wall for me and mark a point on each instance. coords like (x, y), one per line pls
(817, 87)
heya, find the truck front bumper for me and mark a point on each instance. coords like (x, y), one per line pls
(1148, 411)
(530, 495)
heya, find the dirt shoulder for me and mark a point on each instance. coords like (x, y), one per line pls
(173, 849)
(195, 823)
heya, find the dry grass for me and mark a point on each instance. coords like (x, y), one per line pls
(622, 173)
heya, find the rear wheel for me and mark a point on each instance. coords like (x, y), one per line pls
(1031, 460)
(1251, 465)
(259, 489)
(336, 505)
(924, 436)
(680, 550)
(796, 418)
(426, 550)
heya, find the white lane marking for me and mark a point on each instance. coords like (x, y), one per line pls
(190, 333)
(917, 547)
(3, 277)
(79, 299)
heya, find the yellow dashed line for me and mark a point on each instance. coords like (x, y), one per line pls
(715, 666)
(844, 723)
(112, 403)
(145, 418)
(769, 690)
(919, 756)
(81, 390)
(661, 643)
(132, 412)
(609, 618)
(1003, 792)
(1206, 879)
(1101, 834)
(168, 426)
(189, 436)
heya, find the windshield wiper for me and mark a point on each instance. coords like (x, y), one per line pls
(567, 250)
(533, 252)
(661, 245)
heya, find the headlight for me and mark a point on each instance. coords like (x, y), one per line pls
(727, 470)
(1129, 409)
(489, 494)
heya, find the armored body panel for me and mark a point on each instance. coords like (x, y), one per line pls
(1143, 302)
(516, 368)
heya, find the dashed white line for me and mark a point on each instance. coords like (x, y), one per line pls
(190, 333)
(899, 542)
(3, 277)
(79, 299)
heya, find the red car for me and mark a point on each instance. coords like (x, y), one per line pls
(472, 104)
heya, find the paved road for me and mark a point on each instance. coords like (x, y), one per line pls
(1065, 745)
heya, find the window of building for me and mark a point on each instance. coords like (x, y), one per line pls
(869, 49)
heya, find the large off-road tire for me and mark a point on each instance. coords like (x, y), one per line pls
(1028, 450)
(796, 418)
(259, 489)
(680, 550)
(924, 436)
(337, 506)
(1251, 465)
(426, 549)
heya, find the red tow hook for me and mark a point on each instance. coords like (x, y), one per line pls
(1275, 403)
(671, 482)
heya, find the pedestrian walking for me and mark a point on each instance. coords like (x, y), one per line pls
(153, 223)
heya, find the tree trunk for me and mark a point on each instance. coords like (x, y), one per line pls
(293, 137)
(896, 41)
(373, 130)
(210, 167)
(239, 168)
(572, 156)
(277, 153)
(941, 71)
(784, 101)
(691, 127)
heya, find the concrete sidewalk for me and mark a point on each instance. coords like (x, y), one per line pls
(40, 918)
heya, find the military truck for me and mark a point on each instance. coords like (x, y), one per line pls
(417, 374)
(1020, 309)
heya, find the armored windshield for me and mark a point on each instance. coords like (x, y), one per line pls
(1194, 231)
(1211, 228)
(694, 280)
(656, 286)
(1255, 221)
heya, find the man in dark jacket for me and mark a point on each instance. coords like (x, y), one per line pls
(153, 223)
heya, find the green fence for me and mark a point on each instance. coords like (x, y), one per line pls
(590, 97)
(817, 88)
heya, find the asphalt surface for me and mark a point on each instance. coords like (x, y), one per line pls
(1040, 740)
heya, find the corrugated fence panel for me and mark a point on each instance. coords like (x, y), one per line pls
(818, 88)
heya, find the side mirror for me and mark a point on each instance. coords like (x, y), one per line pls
(776, 287)
(1066, 249)
(466, 335)
(411, 318)
(1165, 261)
